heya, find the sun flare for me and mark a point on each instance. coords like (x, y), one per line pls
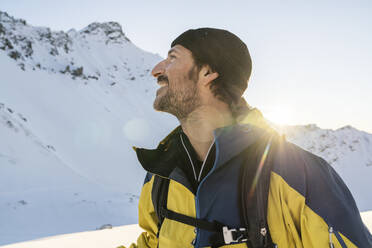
(280, 116)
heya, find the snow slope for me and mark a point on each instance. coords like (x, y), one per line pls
(107, 238)
(72, 105)
(66, 157)
(124, 235)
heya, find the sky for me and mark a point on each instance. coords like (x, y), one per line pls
(312, 60)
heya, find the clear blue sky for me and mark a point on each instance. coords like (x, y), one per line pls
(312, 60)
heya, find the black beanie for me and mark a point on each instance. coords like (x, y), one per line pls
(225, 53)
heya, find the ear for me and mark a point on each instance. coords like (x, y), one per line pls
(207, 75)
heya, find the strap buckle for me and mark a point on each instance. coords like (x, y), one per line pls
(234, 235)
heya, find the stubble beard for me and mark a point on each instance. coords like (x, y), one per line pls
(180, 102)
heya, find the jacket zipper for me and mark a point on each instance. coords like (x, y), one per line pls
(198, 189)
(195, 241)
(337, 235)
(331, 244)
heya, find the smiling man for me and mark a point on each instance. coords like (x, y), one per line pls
(223, 178)
(179, 98)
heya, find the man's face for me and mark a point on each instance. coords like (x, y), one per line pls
(178, 76)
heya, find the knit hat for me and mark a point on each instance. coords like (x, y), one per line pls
(225, 53)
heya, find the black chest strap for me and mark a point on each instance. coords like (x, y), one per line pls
(199, 223)
(222, 234)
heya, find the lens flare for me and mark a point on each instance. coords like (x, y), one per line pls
(136, 129)
(259, 169)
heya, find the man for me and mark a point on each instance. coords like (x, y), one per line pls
(197, 177)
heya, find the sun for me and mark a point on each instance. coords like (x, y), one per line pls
(281, 116)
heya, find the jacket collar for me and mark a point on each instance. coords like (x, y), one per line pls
(230, 141)
(162, 160)
(234, 139)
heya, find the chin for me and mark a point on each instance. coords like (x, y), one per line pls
(158, 105)
(162, 106)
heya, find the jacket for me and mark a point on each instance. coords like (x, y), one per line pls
(308, 203)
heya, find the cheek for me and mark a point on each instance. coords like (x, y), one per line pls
(178, 76)
(173, 73)
(176, 67)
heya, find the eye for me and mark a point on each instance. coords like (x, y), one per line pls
(172, 56)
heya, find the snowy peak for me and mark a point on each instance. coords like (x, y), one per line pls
(111, 31)
(100, 51)
(336, 146)
(4, 17)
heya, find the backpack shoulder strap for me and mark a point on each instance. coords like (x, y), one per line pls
(254, 187)
(159, 196)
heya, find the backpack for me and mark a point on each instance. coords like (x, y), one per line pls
(254, 189)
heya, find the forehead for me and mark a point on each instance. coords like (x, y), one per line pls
(181, 50)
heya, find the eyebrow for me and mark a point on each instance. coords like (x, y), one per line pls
(172, 51)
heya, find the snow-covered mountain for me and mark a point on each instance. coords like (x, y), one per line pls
(72, 105)
(347, 149)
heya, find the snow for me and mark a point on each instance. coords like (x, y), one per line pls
(367, 219)
(123, 235)
(72, 105)
(66, 157)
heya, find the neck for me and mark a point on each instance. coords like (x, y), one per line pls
(200, 124)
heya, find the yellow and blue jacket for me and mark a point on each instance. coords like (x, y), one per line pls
(308, 203)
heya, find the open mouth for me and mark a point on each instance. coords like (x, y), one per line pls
(163, 88)
(162, 80)
(162, 83)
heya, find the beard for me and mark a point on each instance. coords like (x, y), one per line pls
(180, 100)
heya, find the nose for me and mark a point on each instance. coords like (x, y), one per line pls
(158, 69)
